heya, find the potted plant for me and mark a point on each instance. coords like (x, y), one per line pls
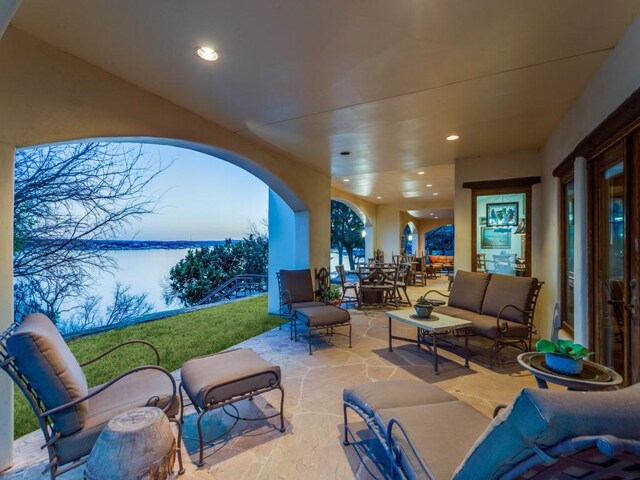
(332, 295)
(564, 356)
(423, 307)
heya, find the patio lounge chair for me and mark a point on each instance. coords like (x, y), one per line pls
(72, 415)
(430, 434)
(296, 291)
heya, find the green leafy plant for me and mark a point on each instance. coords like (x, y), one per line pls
(330, 293)
(423, 301)
(564, 348)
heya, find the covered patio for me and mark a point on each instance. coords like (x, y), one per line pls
(311, 446)
(518, 123)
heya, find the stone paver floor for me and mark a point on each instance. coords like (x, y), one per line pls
(311, 447)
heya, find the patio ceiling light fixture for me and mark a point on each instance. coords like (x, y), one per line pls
(207, 53)
(429, 185)
(436, 193)
(420, 173)
(345, 180)
(453, 137)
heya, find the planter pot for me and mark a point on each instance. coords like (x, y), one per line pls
(564, 365)
(424, 311)
(335, 303)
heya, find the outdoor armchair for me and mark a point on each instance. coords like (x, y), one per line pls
(70, 413)
(296, 291)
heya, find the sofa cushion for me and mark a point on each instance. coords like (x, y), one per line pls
(468, 290)
(44, 358)
(451, 311)
(487, 326)
(546, 417)
(442, 433)
(373, 396)
(299, 285)
(507, 290)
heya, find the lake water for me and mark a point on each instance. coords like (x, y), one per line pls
(143, 270)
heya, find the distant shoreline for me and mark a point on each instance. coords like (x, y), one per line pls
(136, 244)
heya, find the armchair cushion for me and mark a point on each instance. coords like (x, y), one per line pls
(468, 290)
(546, 417)
(504, 290)
(299, 285)
(135, 390)
(43, 357)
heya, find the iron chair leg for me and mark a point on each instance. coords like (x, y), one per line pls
(346, 428)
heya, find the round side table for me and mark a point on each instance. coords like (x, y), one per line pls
(593, 377)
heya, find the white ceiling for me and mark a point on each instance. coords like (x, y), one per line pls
(387, 80)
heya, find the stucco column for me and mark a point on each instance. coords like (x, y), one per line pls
(580, 255)
(288, 243)
(6, 298)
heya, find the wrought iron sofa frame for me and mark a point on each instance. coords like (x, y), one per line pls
(504, 339)
(44, 416)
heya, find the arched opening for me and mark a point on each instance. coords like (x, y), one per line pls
(409, 239)
(288, 218)
(351, 235)
(440, 240)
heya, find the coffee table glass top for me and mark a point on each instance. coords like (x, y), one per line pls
(436, 322)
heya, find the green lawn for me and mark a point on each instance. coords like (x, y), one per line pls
(177, 338)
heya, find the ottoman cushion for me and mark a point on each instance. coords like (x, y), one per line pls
(220, 377)
(323, 316)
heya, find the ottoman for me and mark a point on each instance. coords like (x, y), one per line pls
(224, 378)
(326, 317)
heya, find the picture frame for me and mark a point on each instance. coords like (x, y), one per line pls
(483, 220)
(495, 238)
(504, 214)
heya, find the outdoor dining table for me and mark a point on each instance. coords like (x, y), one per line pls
(376, 284)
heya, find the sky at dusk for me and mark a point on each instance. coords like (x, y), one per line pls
(203, 198)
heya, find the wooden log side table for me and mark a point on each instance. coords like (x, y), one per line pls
(593, 377)
(137, 444)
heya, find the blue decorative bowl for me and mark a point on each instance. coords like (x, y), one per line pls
(564, 365)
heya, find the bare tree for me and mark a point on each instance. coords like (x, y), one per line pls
(65, 197)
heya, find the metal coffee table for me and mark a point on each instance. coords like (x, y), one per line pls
(429, 328)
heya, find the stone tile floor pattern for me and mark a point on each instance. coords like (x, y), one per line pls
(311, 447)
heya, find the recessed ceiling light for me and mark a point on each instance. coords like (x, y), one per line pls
(429, 185)
(420, 173)
(453, 137)
(345, 153)
(435, 193)
(345, 180)
(379, 198)
(207, 53)
(435, 218)
(431, 214)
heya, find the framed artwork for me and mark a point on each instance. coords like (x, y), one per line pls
(495, 238)
(502, 214)
(483, 220)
